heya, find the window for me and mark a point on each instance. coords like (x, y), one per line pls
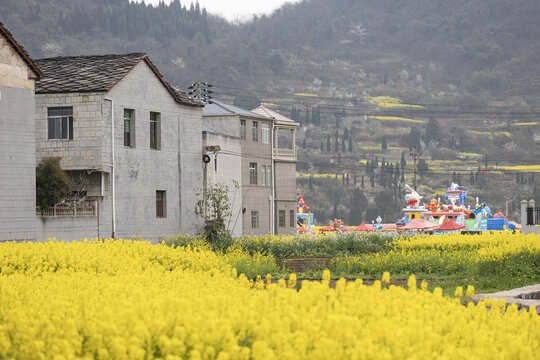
(254, 219)
(266, 175)
(60, 123)
(292, 218)
(255, 131)
(253, 173)
(265, 133)
(129, 128)
(161, 204)
(281, 218)
(243, 129)
(155, 125)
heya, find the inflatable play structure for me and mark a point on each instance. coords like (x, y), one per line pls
(304, 217)
(434, 217)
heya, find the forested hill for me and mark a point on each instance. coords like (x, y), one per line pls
(405, 48)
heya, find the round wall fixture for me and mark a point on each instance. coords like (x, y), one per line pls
(206, 159)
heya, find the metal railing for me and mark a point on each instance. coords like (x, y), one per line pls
(533, 215)
(77, 209)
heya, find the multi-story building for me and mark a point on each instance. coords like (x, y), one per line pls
(130, 142)
(284, 163)
(268, 170)
(17, 142)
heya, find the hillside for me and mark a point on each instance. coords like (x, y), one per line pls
(357, 73)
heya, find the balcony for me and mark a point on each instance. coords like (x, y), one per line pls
(71, 209)
(285, 154)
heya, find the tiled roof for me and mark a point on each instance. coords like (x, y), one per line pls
(96, 73)
(220, 108)
(264, 111)
(20, 50)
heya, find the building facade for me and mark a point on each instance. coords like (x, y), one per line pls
(129, 141)
(17, 142)
(268, 177)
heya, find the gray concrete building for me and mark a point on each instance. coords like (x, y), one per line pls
(17, 142)
(268, 171)
(130, 142)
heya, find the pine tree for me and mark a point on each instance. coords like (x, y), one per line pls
(310, 184)
(346, 134)
(339, 158)
(304, 144)
(328, 142)
(362, 184)
(384, 143)
(471, 178)
(343, 149)
(307, 120)
(336, 144)
(350, 144)
(402, 161)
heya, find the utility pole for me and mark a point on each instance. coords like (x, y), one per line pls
(199, 90)
(415, 155)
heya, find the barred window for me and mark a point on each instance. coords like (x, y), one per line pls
(253, 173)
(281, 218)
(243, 129)
(254, 219)
(255, 131)
(265, 133)
(161, 204)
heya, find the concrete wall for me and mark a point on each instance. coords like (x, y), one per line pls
(17, 148)
(229, 170)
(66, 229)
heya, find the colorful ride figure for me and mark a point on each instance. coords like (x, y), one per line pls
(378, 224)
(455, 195)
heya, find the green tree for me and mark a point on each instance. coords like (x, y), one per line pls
(358, 205)
(423, 167)
(433, 131)
(218, 213)
(328, 142)
(52, 183)
(350, 144)
(384, 143)
(403, 162)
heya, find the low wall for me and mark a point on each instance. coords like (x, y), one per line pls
(66, 229)
(299, 265)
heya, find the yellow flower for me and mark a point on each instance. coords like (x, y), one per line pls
(411, 283)
(386, 277)
(470, 290)
(458, 292)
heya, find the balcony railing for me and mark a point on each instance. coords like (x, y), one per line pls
(76, 209)
(533, 216)
(287, 154)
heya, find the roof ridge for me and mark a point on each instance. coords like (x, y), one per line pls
(21, 51)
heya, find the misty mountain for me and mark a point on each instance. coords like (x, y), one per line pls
(405, 48)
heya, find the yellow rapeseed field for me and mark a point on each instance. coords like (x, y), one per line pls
(131, 300)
